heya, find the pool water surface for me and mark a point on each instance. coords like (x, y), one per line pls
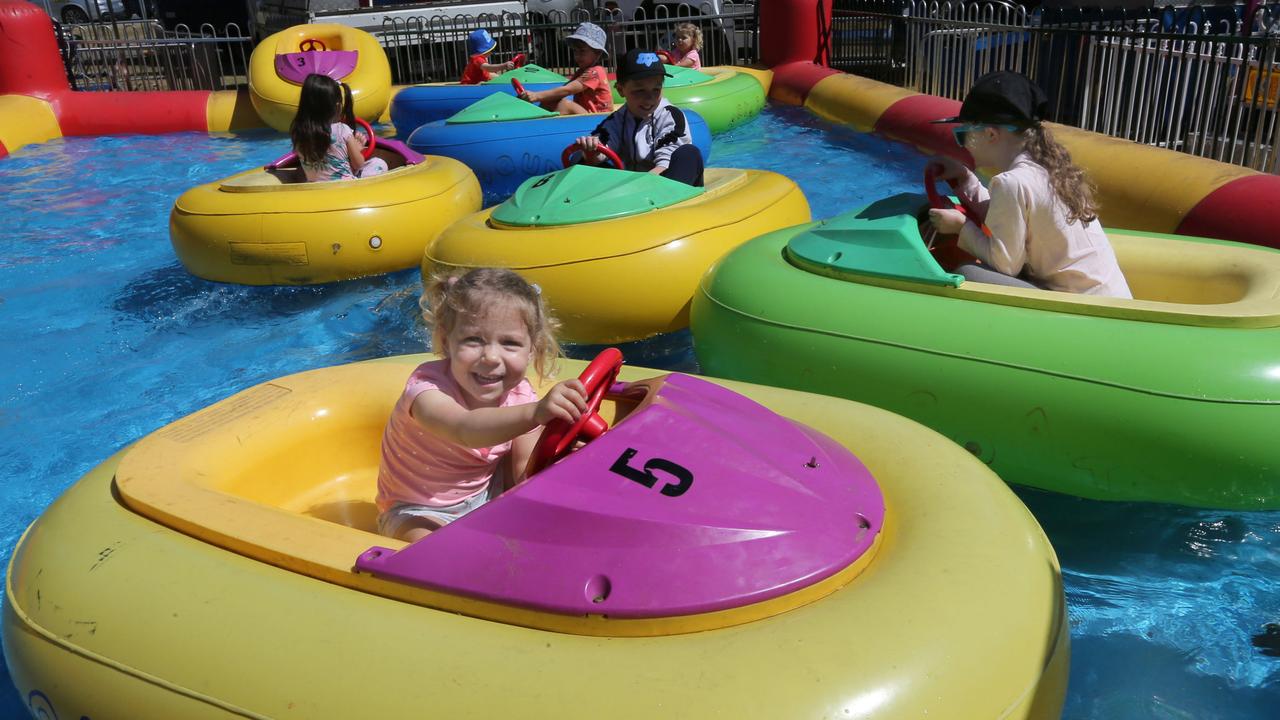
(107, 337)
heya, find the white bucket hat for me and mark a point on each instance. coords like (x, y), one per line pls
(591, 34)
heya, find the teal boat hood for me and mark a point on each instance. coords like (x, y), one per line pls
(498, 107)
(883, 240)
(584, 193)
(528, 74)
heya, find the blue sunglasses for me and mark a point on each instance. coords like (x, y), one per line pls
(963, 130)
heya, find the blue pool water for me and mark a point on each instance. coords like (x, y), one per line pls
(106, 338)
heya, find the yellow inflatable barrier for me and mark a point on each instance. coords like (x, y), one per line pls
(268, 227)
(622, 278)
(207, 571)
(282, 61)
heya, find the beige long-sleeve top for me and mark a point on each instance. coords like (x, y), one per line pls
(1029, 228)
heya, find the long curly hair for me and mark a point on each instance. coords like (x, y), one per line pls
(450, 297)
(694, 31)
(310, 130)
(1070, 184)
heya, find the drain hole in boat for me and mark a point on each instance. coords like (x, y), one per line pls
(598, 588)
(863, 526)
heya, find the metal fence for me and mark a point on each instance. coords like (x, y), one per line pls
(1190, 79)
(143, 55)
(434, 50)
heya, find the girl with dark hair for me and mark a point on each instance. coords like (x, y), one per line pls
(326, 147)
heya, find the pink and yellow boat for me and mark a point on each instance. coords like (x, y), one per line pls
(724, 549)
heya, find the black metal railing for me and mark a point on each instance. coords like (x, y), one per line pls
(1198, 80)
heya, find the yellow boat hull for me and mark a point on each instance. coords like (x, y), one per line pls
(253, 229)
(276, 99)
(247, 605)
(632, 277)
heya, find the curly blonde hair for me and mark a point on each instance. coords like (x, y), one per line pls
(1070, 183)
(451, 296)
(694, 31)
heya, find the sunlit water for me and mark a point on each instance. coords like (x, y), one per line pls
(106, 338)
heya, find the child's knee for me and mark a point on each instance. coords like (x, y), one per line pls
(569, 107)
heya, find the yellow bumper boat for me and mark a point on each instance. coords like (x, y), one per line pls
(619, 254)
(268, 227)
(281, 62)
(208, 571)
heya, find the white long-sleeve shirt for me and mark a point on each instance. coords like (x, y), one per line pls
(1029, 228)
(645, 144)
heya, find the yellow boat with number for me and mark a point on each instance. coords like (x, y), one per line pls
(267, 226)
(725, 549)
(618, 254)
(281, 62)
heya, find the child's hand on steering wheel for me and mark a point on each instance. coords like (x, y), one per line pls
(566, 401)
(947, 222)
(952, 169)
(590, 145)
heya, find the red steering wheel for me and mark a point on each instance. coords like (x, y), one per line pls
(605, 150)
(967, 205)
(948, 252)
(559, 435)
(517, 86)
(373, 141)
(664, 56)
(309, 44)
(519, 60)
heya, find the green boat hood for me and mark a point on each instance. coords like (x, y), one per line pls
(584, 193)
(527, 74)
(498, 107)
(680, 77)
(883, 240)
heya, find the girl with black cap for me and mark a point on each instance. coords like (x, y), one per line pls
(1042, 221)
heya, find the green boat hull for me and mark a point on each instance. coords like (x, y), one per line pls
(1099, 407)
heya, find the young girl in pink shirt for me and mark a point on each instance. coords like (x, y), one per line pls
(461, 429)
(688, 42)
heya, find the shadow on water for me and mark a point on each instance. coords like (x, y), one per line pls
(1128, 677)
(1091, 535)
(670, 351)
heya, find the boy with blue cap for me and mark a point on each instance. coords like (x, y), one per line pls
(648, 133)
(479, 44)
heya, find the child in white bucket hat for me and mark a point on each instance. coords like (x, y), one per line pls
(588, 88)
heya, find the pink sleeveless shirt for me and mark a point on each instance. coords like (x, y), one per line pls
(421, 468)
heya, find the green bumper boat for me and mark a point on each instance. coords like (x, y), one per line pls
(1173, 396)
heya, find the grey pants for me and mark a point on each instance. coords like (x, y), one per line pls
(984, 274)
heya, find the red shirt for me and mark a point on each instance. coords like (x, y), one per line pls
(596, 97)
(474, 74)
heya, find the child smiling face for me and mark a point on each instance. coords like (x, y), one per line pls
(642, 95)
(489, 353)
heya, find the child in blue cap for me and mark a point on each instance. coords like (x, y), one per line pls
(479, 44)
(648, 133)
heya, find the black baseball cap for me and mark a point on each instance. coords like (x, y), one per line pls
(638, 64)
(1002, 98)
